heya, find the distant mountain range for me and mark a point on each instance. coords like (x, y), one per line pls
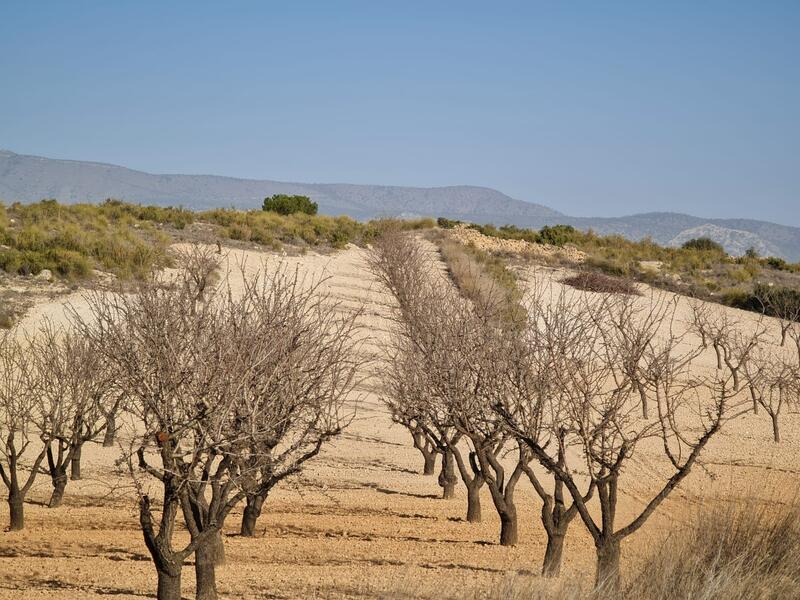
(30, 178)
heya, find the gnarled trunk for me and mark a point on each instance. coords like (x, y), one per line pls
(75, 462)
(447, 476)
(430, 463)
(206, 558)
(59, 478)
(169, 584)
(508, 526)
(16, 509)
(608, 576)
(111, 431)
(551, 567)
(474, 502)
(252, 511)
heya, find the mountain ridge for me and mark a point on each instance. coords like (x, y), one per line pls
(28, 178)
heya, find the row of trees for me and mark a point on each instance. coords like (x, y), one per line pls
(566, 399)
(227, 392)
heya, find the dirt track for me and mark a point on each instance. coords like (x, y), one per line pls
(362, 520)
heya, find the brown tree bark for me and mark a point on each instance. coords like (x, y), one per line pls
(607, 577)
(447, 476)
(59, 486)
(205, 571)
(428, 451)
(16, 509)
(169, 584)
(473, 480)
(509, 534)
(776, 432)
(551, 566)
(75, 462)
(429, 467)
(252, 511)
(110, 435)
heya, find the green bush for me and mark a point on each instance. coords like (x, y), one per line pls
(704, 244)
(558, 235)
(71, 240)
(284, 204)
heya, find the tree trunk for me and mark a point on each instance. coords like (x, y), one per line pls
(59, 485)
(608, 576)
(205, 558)
(169, 585)
(75, 463)
(430, 463)
(447, 477)
(508, 527)
(474, 503)
(252, 511)
(776, 432)
(111, 431)
(552, 555)
(643, 397)
(16, 509)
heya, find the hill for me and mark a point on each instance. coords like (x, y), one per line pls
(27, 178)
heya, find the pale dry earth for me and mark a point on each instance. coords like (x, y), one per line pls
(362, 521)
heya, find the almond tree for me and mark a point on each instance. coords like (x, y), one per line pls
(19, 387)
(772, 381)
(223, 410)
(399, 264)
(783, 304)
(597, 407)
(528, 387)
(70, 402)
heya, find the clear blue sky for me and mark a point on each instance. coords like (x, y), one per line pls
(595, 108)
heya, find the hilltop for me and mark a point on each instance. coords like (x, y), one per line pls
(27, 178)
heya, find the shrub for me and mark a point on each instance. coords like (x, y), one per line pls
(284, 204)
(558, 235)
(704, 244)
(447, 223)
(598, 282)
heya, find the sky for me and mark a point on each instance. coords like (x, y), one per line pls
(592, 108)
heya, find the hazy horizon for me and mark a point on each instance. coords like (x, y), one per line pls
(591, 110)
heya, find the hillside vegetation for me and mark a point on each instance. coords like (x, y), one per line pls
(699, 268)
(130, 240)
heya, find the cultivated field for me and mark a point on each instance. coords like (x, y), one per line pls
(361, 521)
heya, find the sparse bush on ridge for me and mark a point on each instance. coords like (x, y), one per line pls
(703, 243)
(130, 240)
(605, 284)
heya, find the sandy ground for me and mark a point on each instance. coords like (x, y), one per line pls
(361, 521)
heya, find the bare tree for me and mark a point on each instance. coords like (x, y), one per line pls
(783, 304)
(399, 264)
(529, 388)
(771, 380)
(201, 267)
(596, 405)
(19, 386)
(220, 400)
(297, 397)
(72, 391)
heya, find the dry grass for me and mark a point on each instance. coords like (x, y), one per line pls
(483, 279)
(731, 551)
